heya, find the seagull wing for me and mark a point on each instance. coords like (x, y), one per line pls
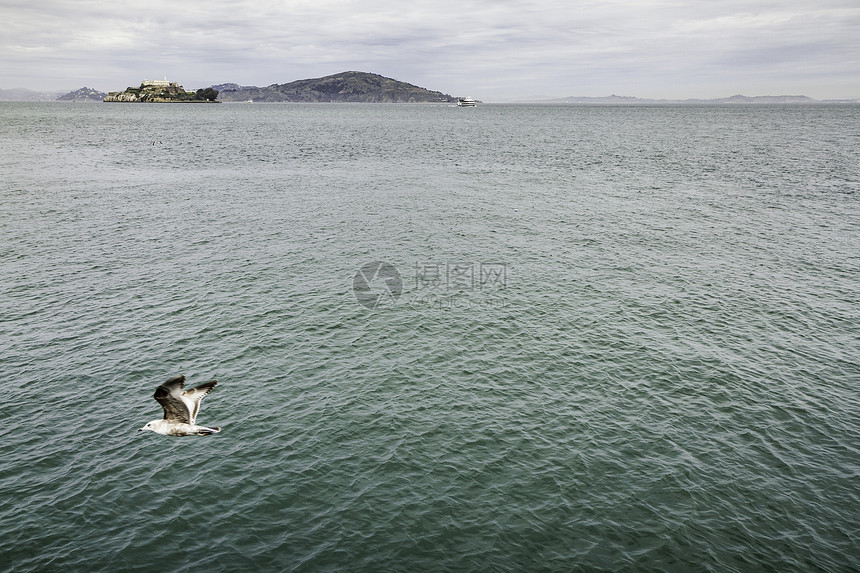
(192, 398)
(169, 395)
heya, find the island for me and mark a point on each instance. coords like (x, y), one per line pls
(162, 91)
(354, 87)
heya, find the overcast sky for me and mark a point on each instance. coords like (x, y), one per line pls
(495, 50)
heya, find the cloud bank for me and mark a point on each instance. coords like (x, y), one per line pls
(493, 49)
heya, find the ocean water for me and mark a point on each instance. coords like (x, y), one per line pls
(504, 338)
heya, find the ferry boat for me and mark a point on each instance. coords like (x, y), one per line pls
(466, 102)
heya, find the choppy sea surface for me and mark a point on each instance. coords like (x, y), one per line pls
(503, 338)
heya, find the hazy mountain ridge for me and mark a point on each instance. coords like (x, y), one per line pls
(23, 94)
(735, 99)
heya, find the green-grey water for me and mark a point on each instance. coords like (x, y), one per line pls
(622, 337)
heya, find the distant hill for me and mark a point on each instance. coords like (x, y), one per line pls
(21, 94)
(83, 94)
(232, 87)
(604, 99)
(343, 87)
(735, 99)
(765, 99)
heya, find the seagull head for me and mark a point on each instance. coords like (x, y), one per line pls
(148, 426)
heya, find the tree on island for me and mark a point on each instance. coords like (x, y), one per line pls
(208, 94)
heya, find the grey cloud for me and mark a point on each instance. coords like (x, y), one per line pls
(492, 49)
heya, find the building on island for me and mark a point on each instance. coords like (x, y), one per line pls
(158, 83)
(161, 91)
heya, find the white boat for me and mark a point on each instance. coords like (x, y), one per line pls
(466, 102)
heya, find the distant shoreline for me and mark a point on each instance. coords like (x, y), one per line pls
(366, 87)
(655, 103)
(152, 101)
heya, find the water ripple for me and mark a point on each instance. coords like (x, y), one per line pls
(667, 380)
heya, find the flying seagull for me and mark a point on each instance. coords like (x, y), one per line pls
(180, 409)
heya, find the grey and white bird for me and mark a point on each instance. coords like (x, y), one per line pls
(180, 409)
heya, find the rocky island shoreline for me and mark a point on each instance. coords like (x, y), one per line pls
(162, 91)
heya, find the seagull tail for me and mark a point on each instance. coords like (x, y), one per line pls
(201, 431)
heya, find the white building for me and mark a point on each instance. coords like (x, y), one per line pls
(157, 83)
